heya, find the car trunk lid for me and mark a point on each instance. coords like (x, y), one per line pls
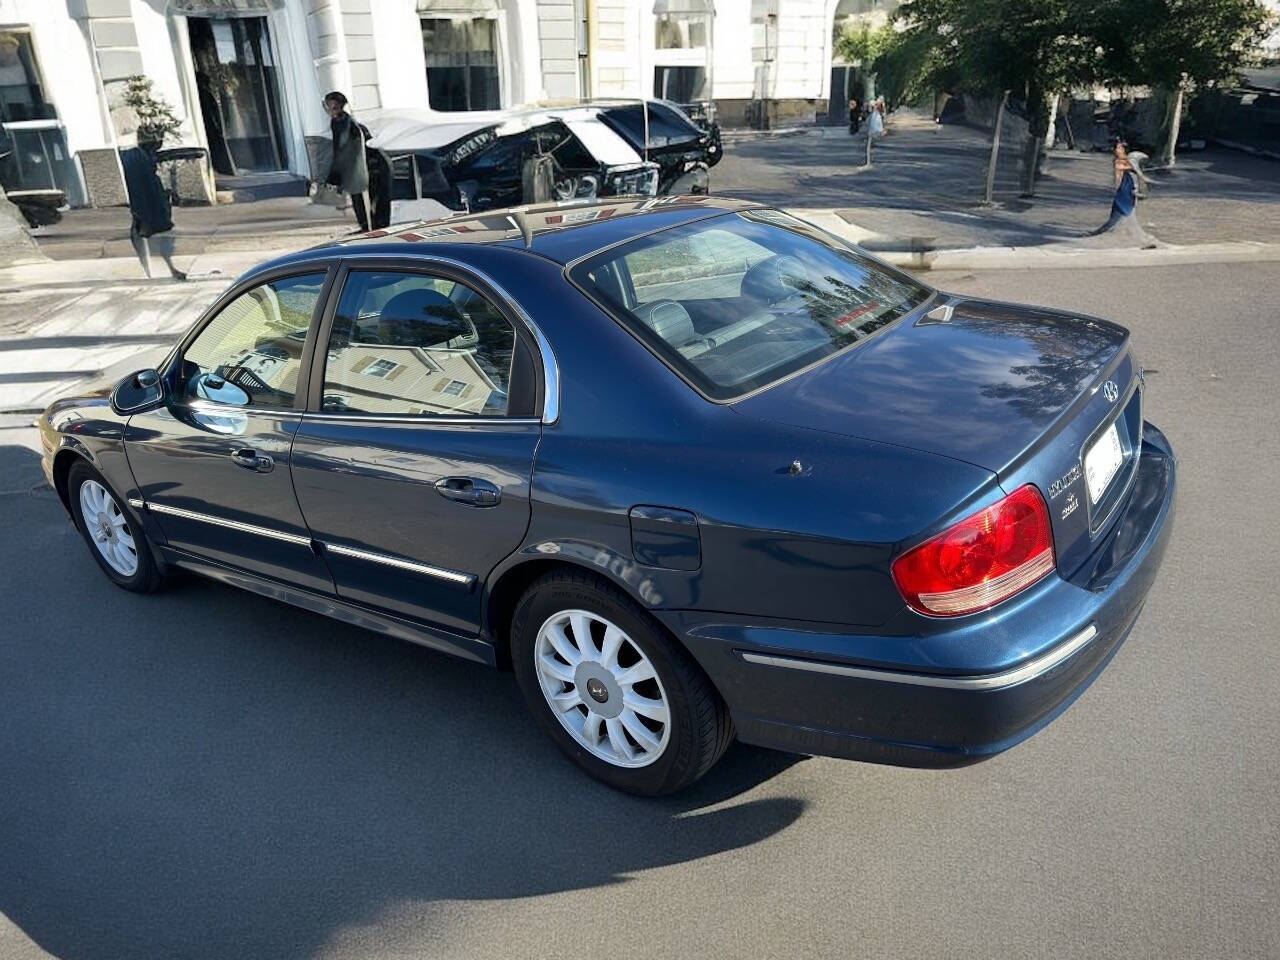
(1020, 391)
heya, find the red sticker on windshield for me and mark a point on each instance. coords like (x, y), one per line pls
(856, 312)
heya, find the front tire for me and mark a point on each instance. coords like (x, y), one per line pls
(115, 540)
(615, 692)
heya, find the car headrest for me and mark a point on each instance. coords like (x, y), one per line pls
(421, 317)
(669, 320)
(774, 279)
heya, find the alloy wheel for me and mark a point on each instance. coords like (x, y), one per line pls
(602, 688)
(108, 528)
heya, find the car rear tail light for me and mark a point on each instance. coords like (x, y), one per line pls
(980, 561)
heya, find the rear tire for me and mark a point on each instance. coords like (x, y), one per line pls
(115, 539)
(628, 704)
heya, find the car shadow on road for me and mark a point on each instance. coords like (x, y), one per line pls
(203, 772)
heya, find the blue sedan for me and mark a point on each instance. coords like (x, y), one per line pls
(691, 468)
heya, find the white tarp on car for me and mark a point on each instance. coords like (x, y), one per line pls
(601, 142)
(417, 131)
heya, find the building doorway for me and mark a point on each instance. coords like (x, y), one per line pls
(845, 83)
(237, 79)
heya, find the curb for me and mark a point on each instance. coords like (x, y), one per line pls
(1056, 257)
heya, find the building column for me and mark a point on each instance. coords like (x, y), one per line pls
(362, 62)
(108, 26)
(558, 49)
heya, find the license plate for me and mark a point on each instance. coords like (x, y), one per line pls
(1101, 461)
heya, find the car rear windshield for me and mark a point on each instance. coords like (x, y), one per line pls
(737, 302)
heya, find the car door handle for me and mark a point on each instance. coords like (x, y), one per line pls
(469, 490)
(252, 460)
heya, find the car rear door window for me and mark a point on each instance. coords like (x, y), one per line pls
(410, 344)
(249, 354)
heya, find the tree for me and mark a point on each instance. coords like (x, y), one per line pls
(1030, 48)
(1179, 45)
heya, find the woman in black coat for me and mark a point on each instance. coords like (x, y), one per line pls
(356, 169)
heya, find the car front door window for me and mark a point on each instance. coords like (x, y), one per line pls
(250, 354)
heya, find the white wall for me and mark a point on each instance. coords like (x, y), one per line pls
(734, 76)
(160, 64)
(397, 38)
(402, 74)
(623, 54)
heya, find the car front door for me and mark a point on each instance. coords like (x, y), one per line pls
(213, 463)
(413, 461)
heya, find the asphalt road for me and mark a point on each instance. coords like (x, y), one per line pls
(926, 180)
(204, 773)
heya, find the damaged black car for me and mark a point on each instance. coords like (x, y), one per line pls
(534, 155)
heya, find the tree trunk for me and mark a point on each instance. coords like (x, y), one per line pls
(995, 149)
(1051, 134)
(1030, 163)
(1168, 155)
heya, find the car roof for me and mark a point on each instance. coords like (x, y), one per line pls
(561, 232)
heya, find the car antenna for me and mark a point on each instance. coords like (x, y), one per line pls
(526, 231)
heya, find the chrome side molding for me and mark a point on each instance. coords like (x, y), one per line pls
(412, 566)
(230, 524)
(992, 681)
(453, 576)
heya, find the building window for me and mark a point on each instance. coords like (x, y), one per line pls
(21, 92)
(462, 63)
(379, 368)
(676, 32)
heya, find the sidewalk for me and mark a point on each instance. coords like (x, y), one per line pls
(275, 223)
(57, 339)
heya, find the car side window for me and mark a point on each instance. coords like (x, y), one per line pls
(249, 354)
(409, 344)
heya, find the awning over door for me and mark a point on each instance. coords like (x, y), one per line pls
(205, 8)
(684, 8)
(459, 8)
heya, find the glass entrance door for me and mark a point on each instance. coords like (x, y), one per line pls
(237, 77)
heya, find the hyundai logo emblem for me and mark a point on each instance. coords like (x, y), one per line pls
(1111, 391)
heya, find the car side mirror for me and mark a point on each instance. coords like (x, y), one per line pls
(138, 393)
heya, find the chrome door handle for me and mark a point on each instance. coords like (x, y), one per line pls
(252, 460)
(469, 490)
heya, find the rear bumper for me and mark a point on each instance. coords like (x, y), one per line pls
(807, 691)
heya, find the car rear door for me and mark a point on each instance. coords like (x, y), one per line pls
(212, 464)
(413, 462)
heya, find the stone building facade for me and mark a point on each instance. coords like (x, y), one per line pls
(246, 77)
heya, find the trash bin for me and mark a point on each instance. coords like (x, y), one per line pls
(184, 173)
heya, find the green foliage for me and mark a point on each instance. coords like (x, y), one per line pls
(1171, 43)
(155, 116)
(1036, 47)
(864, 45)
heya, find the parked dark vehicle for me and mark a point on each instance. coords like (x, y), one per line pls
(534, 155)
(691, 467)
(703, 115)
